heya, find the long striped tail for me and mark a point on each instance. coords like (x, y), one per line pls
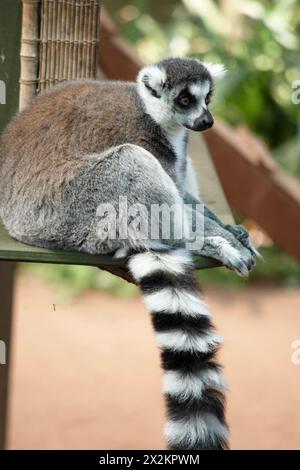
(193, 384)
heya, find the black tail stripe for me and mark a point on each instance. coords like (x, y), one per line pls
(160, 279)
(211, 402)
(187, 361)
(166, 321)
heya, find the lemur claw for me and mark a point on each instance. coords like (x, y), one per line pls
(238, 259)
(242, 235)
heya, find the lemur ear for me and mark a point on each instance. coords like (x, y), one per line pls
(153, 78)
(217, 71)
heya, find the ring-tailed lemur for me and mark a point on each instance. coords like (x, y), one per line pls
(85, 145)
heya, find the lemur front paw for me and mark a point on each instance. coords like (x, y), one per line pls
(241, 234)
(234, 256)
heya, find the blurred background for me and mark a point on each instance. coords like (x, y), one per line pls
(86, 368)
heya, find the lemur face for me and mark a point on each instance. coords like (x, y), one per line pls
(178, 92)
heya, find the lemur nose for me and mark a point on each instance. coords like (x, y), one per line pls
(204, 122)
(207, 121)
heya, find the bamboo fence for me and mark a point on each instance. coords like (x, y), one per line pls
(59, 43)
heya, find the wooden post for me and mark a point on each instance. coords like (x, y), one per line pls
(10, 32)
(6, 299)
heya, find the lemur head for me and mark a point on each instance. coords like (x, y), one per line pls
(178, 91)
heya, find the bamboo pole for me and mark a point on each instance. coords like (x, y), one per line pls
(53, 37)
(61, 40)
(71, 41)
(29, 51)
(48, 27)
(81, 38)
(84, 41)
(94, 39)
(43, 45)
(77, 7)
(87, 41)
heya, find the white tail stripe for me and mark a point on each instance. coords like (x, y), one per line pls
(178, 340)
(171, 300)
(143, 264)
(190, 385)
(205, 429)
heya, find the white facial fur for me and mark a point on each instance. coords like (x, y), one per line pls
(200, 90)
(156, 107)
(161, 110)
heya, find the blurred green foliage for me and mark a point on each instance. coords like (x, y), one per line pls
(70, 281)
(258, 41)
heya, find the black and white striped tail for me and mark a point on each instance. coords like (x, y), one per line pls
(193, 384)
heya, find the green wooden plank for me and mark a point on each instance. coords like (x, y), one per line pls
(12, 250)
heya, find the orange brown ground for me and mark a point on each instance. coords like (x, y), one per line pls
(86, 374)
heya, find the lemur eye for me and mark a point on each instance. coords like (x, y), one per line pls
(184, 100)
(208, 98)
